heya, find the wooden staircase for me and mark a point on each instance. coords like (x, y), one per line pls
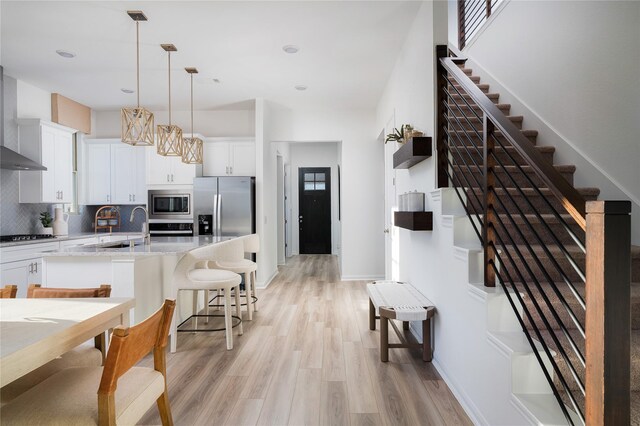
(531, 232)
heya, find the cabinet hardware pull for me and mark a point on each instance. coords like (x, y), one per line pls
(129, 197)
(31, 268)
(134, 197)
(227, 170)
(36, 265)
(168, 178)
(230, 170)
(61, 195)
(171, 177)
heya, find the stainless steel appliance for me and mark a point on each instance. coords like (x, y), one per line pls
(171, 205)
(170, 229)
(224, 206)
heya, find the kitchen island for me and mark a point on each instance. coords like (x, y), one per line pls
(133, 269)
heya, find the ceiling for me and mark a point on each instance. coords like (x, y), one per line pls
(347, 50)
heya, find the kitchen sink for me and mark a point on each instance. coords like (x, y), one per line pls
(120, 244)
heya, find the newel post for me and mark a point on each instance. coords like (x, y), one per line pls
(608, 320)
(489, 216)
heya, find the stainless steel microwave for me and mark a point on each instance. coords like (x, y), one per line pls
(170, 204)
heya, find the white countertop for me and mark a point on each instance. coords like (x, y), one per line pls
(158, 246)
(69, 237)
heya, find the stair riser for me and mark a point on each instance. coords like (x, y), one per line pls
(459, 136)
(466, 99)
(519, 178)
(469, 153)
(469, 123)
(509, 203)
(483, 87)
(579, 258)
(505, 108)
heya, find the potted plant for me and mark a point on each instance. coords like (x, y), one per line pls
(46, 220)
(402, 135)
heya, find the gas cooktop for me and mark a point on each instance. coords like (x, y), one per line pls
(23, 237)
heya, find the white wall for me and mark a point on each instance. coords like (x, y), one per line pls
(476, 374)
(576, 79)
(315, 155)
(217, 123)
(362, 241)
(33, 102)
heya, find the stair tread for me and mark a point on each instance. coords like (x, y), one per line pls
(476, 119)
(499, 133)
(568, 168)
(545, 191)
(544, 408)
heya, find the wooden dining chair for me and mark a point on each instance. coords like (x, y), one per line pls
(124, 392)
(9, 291)
(85, 355)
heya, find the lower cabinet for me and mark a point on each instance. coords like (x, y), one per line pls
(22, 273)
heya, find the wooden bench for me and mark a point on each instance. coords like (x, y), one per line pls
(392, 300)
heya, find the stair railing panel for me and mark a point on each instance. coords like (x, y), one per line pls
(472, 14)
(535, 245)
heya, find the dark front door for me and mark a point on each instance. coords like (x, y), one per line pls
(314, 210)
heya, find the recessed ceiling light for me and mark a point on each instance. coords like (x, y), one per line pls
(127, 91)
(66, 54)
(290, 48)
(300, 87)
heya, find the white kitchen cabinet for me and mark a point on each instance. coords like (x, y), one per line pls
(163, 170)
(22, 265)
(224, 158)
(113, 173)
(51, 145)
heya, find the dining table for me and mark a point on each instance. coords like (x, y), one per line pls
(35, 331)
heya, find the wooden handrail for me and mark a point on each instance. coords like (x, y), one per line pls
(570, 198)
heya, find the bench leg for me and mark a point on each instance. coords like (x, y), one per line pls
(426, 340)
(384, 339)
(372, 316)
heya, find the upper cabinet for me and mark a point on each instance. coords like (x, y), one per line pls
(113, 172)
(51, 145)
(229, 158)
(168, 170)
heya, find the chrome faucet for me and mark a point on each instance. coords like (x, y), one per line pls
(145, 226)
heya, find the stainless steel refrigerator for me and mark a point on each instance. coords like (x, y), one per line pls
(224, 206)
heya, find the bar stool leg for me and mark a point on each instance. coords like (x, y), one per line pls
(247, 292)
(206, 306)
(195, 307)
(227, 318)
(238, 309)
(255, 290)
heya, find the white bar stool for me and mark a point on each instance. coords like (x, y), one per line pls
(190, 278)
(233, 260)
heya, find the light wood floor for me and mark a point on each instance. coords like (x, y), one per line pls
(308, 357)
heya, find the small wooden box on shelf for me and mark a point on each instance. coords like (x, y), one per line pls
(414, 221)
(417, 149)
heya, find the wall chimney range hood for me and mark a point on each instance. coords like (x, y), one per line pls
(10, 159)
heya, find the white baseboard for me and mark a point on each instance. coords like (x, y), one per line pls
(361, 277)
(465, 402)
(264, 284)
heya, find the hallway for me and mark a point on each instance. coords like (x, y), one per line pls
(308, 357)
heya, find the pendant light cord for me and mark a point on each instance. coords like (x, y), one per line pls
(192, 136)
(138, 61)
(169, 55)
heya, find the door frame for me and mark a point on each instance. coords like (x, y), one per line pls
(390, 203)
(327, 172)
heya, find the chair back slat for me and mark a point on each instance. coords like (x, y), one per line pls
(9, 291)
(130, 345)
(36, 291)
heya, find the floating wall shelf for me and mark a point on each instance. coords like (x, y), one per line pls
(411, 153)
(414, 221)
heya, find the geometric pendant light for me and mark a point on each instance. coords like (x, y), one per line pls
(192, 146)
(137, 123)
(169, 136)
